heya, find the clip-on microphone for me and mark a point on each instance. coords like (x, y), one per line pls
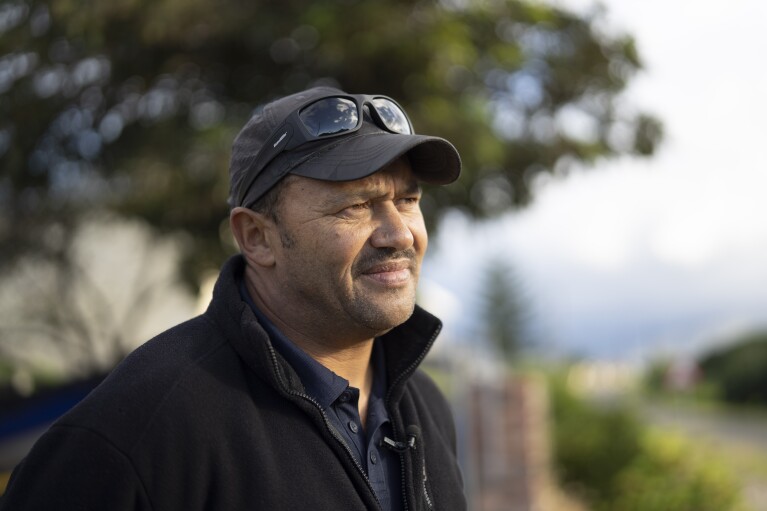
(400, 447)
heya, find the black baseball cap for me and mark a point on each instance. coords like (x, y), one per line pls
(343, 158)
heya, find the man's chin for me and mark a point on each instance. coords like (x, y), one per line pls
(382, 319)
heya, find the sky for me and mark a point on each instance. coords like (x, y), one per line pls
(640, 258)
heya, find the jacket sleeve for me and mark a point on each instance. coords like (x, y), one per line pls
(73, 468)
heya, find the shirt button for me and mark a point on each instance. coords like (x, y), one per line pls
(346, 396)
(353, 426)
(373, 457)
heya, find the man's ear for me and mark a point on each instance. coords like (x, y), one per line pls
(254, 233)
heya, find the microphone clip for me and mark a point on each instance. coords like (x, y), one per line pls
(400, 447)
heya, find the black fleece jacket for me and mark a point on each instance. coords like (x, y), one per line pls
(208, 416)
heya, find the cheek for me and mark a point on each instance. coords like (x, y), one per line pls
(338, 249)
(420, 236)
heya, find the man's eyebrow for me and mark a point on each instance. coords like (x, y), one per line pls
(413, 187)
(343, 198)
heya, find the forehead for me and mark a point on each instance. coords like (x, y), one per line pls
(397, 177)
(397, 173)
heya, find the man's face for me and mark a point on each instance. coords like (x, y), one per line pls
(351, 251)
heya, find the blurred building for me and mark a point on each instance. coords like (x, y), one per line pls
(502, 420)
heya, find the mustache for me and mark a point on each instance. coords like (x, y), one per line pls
(381, 256)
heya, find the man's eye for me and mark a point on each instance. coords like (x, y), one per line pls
(408, 201)
(357, 208)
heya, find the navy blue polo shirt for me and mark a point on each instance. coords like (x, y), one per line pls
(340, 402)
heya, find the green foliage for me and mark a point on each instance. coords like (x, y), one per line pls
(592, 444)
(131, 105)
(670, 475)
(739, 370)
(615, 463)
(6, 372)
(655, 376)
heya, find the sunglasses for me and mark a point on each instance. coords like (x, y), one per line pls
(323, 118)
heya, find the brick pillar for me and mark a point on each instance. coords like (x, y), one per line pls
(510, 449)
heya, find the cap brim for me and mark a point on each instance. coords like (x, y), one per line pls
(434, 160)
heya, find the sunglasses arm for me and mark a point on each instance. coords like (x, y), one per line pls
(278, 142)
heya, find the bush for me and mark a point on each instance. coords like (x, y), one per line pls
(615, 463)
(592, 444)
(655, 377)
(670, 475)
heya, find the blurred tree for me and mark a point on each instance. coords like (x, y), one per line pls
(505, 311)
(121, 279)
(739, 371)
(131, 105)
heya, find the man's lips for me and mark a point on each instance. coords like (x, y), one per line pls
(389, 266)
(390, 272)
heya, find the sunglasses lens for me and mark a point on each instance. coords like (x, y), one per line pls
(329, 116)
(392, 116)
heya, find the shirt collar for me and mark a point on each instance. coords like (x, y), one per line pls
(376, 405)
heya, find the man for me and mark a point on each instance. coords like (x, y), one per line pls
(298, 388)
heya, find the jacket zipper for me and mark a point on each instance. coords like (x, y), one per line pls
(425, 490)
(330, 428)
(402, 375)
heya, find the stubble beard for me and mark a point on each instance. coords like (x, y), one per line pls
(398, 303)
(367, 311)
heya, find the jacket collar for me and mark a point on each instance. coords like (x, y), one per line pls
(405, 346)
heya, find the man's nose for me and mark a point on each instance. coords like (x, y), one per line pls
(392, 229)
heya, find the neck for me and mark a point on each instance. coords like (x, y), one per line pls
(353, 363)
(348, 357)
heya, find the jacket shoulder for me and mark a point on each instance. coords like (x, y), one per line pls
(78, 469)
(164, 373)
